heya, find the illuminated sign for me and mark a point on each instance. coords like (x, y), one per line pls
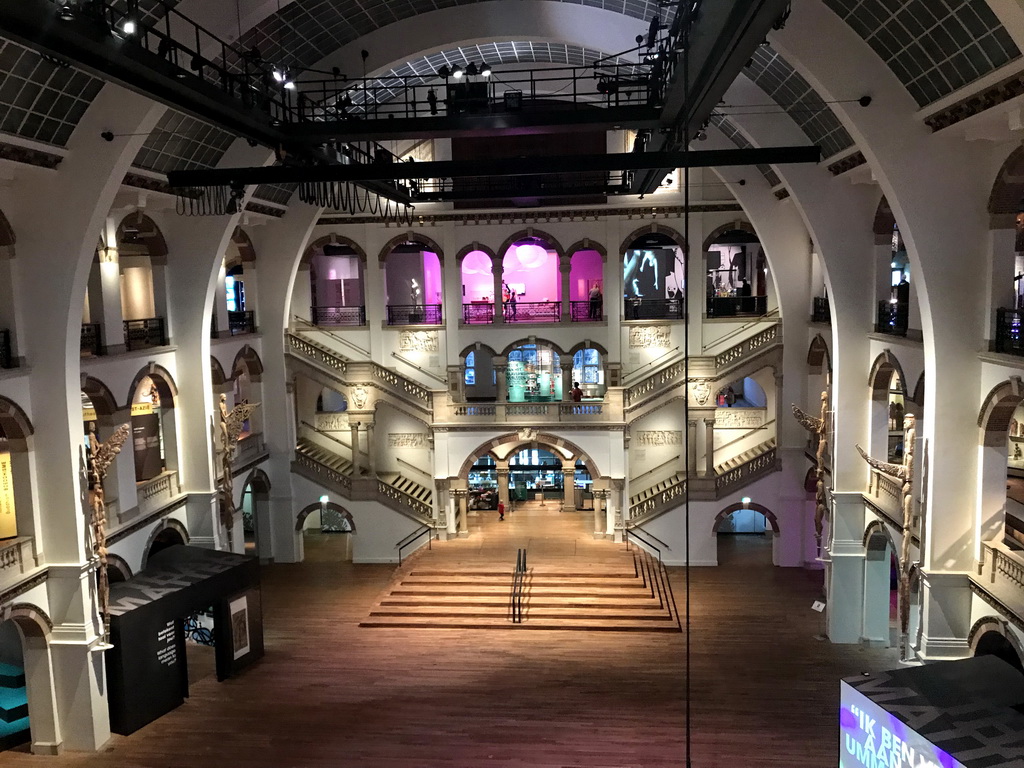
(8, 520)
(870, 737)
(142, 409)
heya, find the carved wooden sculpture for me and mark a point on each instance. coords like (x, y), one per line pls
(818, 426)
(103, 455)
(904, 472)
(230, 428)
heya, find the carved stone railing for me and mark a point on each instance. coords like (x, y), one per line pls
(886, 493)
(402, 385)
(15, 559)
(249, 449)
(652, 506)
(743, 474)
(316, 353)
(656, 382)
(158, 492)
(408, 505)
(322, 473)
(1000, 577)
(607, 411)
(747, 348)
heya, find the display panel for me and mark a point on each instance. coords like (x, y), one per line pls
(870, 737)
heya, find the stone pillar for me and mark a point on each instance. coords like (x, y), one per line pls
(220, 304)
(845, 569)
(614, 514)
(709, 447)
(462, 497)
(498, 272)
(565, 270)
(503, 494)
(453, 511)
(371, 461)
(441, 493)
(500, 372)
(112, 329)
(354, 433)
(691, 448)
(600, 496)
(158, 272)
(569, 488)
(566, 365)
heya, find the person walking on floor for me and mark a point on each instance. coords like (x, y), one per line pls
(501, 510)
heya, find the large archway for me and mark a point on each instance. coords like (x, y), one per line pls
(26, 679)
(255, 508)
(747, 535)
(881, 594)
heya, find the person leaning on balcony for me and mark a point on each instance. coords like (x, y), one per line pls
(596, 301)
(576, 393)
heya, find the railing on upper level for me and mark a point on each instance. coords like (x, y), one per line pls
(747, 348)
(6, 356)
(157, 492)
(893, 318)
(16, 558)
(407, 504)
(887, 493)
(322, 472)
(1001, 574)
(671, 495)
(303, 325)
(477, 312)
(1010, 331)
(414, 314)
(607, 411)
(242, 322)
(657, 382)
(354, 316)
(586, 311)
(654, 309)
(533, 311)
(92, 340)
(249, 448)
(737, 306)
(821, 312)
(141, 334)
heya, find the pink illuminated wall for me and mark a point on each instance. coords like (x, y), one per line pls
(433, 292)
(402, 269)
(477, 278)
(587, 267)
(534, 270)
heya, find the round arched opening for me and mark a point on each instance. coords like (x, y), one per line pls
(413, 285)
(588, 374)
(153, 428)
(15, 725)
(534, 374)
(745, 535)
(336, 284)
(586, 285)
(532, 291)
(654, 278)
(477, 288)
(738, 279)
(166, 538)
(881, 588)
(255, 509)
(996, 644)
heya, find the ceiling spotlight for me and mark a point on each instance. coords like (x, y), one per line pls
(66, 12)
(289, 84)
(485, 69)
(107, 135)
(702, 135)
(444, 71)
(471, 69)
(279, 75)
(129, 27)
(457, 72)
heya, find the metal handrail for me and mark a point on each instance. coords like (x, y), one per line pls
(626, 379)
(650, 471)
(419, 368)
(518, 583)
(745, 435)
(412, 467)
(333, 335)
(405, 542)
(771, 314)
(325, 434)
(639, 533)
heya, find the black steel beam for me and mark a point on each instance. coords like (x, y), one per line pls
(91, 46)
(583, 118)
(517, 166)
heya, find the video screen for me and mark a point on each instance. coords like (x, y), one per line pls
(870, 737)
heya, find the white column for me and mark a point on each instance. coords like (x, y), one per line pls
(845, 569)
(220, 303)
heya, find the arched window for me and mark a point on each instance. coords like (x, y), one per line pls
(737, 277)
(654, 278)
(532, 287)
(470, 371)
(589, 372)
(534, 374)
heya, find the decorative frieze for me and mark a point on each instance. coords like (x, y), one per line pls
(417, 341)
(332, 422)
(660, 437)
(407, 440)
(650, 337)
(739, 418)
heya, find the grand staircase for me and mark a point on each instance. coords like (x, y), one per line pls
(627, 591)
(324, 456)
(745, 457)
(13, 707)
(677, 479)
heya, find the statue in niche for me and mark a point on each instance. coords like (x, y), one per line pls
(819, 428)
(904, 472)
(101, 457)
(230, 427)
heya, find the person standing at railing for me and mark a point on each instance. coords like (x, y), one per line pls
(576, 393)
(596, 302)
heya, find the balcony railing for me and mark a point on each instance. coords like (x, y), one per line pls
(248, 448)
(15, 559)
(1001, 574)
(737, 306)
(338, 315)
(414, 314)
(609, 410)
(478, 312)
(242, 322)
(92, 339)
(157, 492)
(1010, 331)
(6, 355)
(821, 312)
(586, 312)
(140, 334)
(533, 312)
(892, 318)
(654, 309)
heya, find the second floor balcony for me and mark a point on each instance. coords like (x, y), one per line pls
(352, 316)
(638, 308)
(1009, 332)
(145, 333)
(241, 322)
(737, 306)
(821, 312)
(92, 340)
(414, 314)
(893, 318)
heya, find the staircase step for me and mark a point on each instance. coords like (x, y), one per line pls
(13, 704)
(529, 612)
(588, 625)
(11, 676)
(502, 600)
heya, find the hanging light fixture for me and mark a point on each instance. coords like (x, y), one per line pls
(457, 72)
(129, 27)
(66, 12)
(471, 69)
(485, 69)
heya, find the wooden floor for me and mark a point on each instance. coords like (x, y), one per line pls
(330, 693)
